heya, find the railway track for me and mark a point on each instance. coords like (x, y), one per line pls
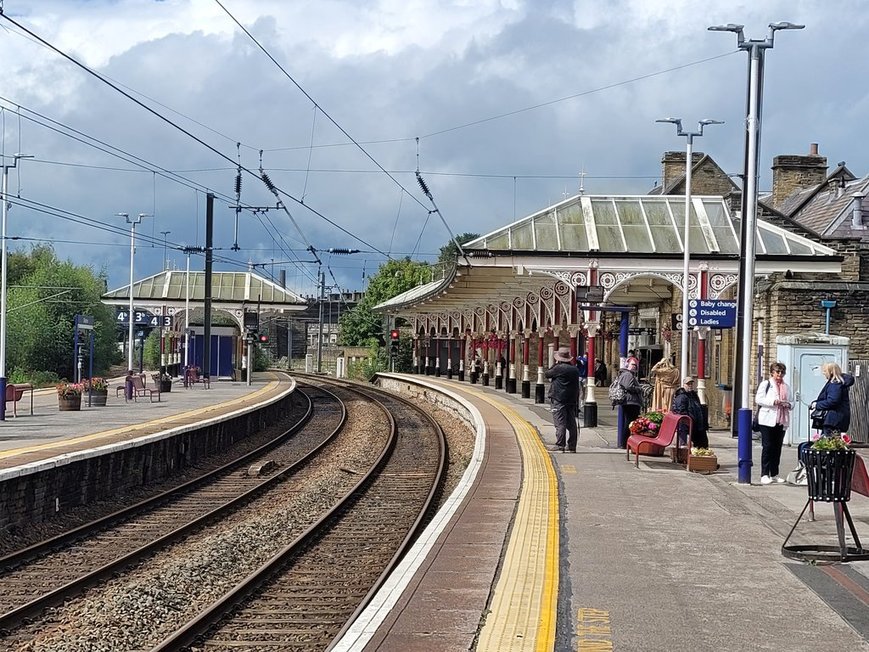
(304, 596)
(386, 480)
(48, 573)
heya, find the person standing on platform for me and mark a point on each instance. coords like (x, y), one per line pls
(774, 399)
(582, 365)
(128, 385)
(599, 373)
(835, 400)
(632, 357)
(627, 378)
(686, 401)
(563, 396)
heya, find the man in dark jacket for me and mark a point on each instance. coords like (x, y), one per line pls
(563, 395)
(686, 401)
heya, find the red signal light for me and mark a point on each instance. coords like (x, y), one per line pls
(264, 339)
(394, 334)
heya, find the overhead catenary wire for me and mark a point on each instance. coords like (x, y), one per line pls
(169, 122)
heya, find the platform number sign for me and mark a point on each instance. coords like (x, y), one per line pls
(144, 318)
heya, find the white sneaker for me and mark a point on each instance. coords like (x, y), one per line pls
(765, 479)
(779, 480)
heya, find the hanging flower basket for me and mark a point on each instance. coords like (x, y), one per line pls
(829, 474)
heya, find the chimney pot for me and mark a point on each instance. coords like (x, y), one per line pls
(813, 149)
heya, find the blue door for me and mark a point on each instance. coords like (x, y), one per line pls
(220, 354)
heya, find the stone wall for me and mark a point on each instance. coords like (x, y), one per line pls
(792, 306)
(791, 173)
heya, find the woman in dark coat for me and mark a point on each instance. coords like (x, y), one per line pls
(686, 401)
(835, 400)
(627, 378)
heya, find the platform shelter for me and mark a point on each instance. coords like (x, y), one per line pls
(599, 274)
(176, 299)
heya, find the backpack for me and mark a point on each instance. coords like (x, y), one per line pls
(617, 393)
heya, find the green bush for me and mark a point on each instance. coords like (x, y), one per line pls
(35, 378)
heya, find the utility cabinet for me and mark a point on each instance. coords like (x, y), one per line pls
(804, 355)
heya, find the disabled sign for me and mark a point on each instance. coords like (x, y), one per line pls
(712, 313)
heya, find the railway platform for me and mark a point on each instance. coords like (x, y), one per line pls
(560, 551)
(49, 433)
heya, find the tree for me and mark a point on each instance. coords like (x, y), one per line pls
(45, 295)
(449, 252)
(364, 327)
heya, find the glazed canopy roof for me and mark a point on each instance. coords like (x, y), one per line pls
(643, 223)
(631, 235)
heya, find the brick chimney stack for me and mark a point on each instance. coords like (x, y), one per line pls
(673, 166)
(791, 173)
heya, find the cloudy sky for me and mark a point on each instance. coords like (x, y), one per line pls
(501, 105)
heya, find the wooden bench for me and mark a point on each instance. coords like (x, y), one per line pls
(14, 393)
(667, 434)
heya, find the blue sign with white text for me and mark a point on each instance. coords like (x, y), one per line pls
(712, 313)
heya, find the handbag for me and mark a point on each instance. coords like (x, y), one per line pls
(818, 417)
(755, 425)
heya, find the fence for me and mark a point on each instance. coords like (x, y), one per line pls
(859, 396)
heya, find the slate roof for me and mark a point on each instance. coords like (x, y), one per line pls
(828, 212)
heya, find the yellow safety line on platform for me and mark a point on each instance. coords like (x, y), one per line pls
(523, 610)
(133, 427)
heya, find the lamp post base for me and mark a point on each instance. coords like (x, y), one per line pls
(526, 389)
(589, 415)
(511, 385)
(540, 393)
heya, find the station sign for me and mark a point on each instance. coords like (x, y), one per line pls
(84, 322)
(144, 318)
(712, 313)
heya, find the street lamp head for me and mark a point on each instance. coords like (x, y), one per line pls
(729, 27)
(785, 25)
(675, 121)
(122, 214)
(707, 121)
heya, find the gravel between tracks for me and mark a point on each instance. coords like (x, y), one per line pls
(137, 611)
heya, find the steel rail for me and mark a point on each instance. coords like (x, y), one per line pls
(13, 618)
(42, 548)
(197, 629)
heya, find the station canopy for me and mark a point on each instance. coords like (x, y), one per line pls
(630, 236)
(232, 291)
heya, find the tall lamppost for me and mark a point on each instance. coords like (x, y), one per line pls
(3, 262)
(686, 257)
(132, 221)
(756, 50)
(165, 259)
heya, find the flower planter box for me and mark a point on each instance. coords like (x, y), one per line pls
(99, 397)
(702, 464)
(69, 403)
